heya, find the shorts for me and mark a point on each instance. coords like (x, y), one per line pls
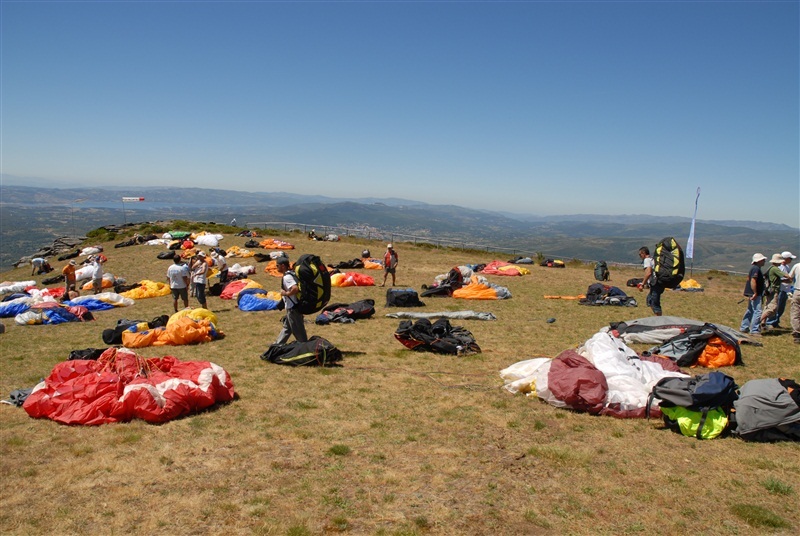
(182, 293)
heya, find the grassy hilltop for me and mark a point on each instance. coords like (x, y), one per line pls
(391, 442)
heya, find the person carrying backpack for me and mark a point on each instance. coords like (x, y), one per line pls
(654, 297)
(772, 287)
(293, 322)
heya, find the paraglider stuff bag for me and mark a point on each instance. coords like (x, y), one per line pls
(403, 297)
(315, 352)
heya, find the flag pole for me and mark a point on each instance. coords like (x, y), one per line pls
(690, 242)
(129, 199)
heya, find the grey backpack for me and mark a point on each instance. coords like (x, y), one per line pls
(768, 410)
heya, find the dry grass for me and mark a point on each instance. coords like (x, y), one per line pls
(391, 442)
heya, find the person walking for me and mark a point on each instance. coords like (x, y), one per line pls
(785, 290)
(654, 296)
(293, 322)
(389, 264)
(178, 278)
(753, 292)
(199, 269)
(775, 277)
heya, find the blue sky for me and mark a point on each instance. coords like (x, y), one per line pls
(530, 107)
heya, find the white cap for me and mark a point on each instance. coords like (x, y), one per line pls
(788, 255)
(389, 246)
(758, 257)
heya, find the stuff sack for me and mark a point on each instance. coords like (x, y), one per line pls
(314, 282)
(601, 272)
(703, 394)
(403, 297)
(670, 265)
(767, 410)
(315, 352)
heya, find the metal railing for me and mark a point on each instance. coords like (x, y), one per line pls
(371, 233)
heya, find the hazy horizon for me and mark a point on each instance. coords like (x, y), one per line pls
(526, 107)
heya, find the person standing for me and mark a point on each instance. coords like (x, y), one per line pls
(775, 277)
(199, 278)
(69, 279)
(389, 264)
(784, 293)
(649, 281)
(753, 291)
(293, 322)
(178, 278)
(97, 274)
(222, 266)
(794, 307)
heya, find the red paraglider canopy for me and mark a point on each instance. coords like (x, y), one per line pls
(121, 386)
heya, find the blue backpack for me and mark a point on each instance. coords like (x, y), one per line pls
(702, 393)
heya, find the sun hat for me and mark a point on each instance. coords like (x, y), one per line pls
(201, 253)
(73, 263)
(758, 257)
(777, 258)
(788, 255)
(388, 246)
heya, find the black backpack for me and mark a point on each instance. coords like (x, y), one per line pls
(316, 351)
(438, 337)
(601, 272)
(670, 265)
(403, 297)
(314, 281)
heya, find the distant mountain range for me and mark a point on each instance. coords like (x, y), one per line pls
(31, 217)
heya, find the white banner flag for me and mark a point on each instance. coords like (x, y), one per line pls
(690, 242)
(131, 199)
